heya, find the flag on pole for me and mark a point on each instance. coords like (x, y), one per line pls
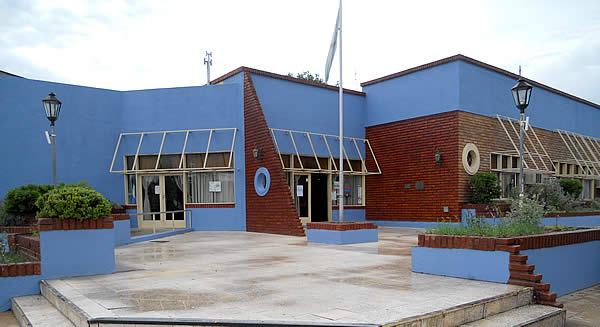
(333, 45)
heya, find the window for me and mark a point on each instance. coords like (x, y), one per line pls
(211, 187)
(352, 189)
(130, 189)
(509, 183)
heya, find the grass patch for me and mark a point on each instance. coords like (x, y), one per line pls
(13, 257)
(505, 227)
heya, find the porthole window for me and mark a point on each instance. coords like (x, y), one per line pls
(471, 158)
(262, 181)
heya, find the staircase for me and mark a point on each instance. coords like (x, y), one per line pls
(59, 305)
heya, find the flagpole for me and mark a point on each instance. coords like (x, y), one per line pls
(341, 185)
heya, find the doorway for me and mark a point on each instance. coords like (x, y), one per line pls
(319, 209)
(159, 196)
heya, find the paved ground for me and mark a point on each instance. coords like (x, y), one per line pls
(239, 275)
(583, 307)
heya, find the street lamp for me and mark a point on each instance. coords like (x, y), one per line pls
(52, 109)
(521, 93)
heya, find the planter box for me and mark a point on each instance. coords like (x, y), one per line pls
(567, 261)
(342, 233)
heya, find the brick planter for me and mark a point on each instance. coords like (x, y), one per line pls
(20, 269)
(342, 233)
(50, 224)
(17, 229)
(519, 271)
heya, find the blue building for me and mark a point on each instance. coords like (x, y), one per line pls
(257, 151)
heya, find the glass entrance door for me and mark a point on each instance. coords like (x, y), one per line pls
(302, 197)
(161, 194)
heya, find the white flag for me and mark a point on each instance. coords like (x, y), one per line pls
(333, 45)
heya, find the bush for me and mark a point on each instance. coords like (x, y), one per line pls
(73, 202)
(529, 212)
(484, 188)
(573, 187)
(552, 195)
(7, 219)
(20, 201)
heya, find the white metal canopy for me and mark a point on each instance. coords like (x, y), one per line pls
(181, 167)
(541, 160)
(584, 150)
(319, 137)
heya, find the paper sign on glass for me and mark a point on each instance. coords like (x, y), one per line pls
(214, 186)
(299, 190)
(157, 189)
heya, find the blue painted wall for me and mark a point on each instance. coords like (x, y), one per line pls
(567, 268)
(218, 106)
(418, 94)
(17, 286)
(491, 266)
(349, 214)
(86, 131)
(342, 237)
(77, 253)
(122, 231)
(300, 107)
(486, 92)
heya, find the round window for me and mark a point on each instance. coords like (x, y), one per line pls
(470, 158)
(262, 181)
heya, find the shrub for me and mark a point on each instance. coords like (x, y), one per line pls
(8, 219)
(528, 212)
(73, 202)
(20, 201)
(115, 206)
(552, 195)
(484, 188)
(572, 187)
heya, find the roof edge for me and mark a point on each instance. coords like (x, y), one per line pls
(281, 77)
(480, 64)
(9, 74)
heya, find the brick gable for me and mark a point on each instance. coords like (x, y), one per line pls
(274, 213)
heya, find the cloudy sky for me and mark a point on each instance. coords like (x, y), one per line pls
(141, 44)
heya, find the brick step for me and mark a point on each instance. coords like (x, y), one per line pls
(513, 249)
(530, 315)
(525, 276)
(521, 258)
(519, 267)
(544, 287)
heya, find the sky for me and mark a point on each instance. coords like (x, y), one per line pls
(141, 44)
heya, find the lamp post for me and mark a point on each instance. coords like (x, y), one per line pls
(521, 93)
(52, 109)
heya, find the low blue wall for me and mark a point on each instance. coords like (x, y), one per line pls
(122, 231)
(349, 214)
(218, 219)
(133, 222)
(491, 266)
(567, 268)
(17, 286)
(342, 237)
(77, 252)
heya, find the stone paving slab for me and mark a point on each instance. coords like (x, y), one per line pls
(254, 276)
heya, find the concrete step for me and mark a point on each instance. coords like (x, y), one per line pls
(531, 315)
(72, 304)
(36, 311)
(470, 312)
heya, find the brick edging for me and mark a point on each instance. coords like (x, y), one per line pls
(50, 224)
(20, 269)
(120, 216)
(340, 226)
(17, 229)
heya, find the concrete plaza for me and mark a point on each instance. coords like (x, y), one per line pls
(252, 276)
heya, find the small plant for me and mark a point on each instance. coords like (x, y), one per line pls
(572, 187)
(115, 206)
(73, 202)
(551, 193)
(530, 211)
(485, 188)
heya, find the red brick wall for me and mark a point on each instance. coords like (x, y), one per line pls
(275, 212)
(405, 151)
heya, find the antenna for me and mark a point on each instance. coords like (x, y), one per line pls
(208, 63)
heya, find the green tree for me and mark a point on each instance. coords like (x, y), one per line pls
(307, 75)
(572, 187)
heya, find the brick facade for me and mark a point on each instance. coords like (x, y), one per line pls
(275, 212)
(406, 152)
